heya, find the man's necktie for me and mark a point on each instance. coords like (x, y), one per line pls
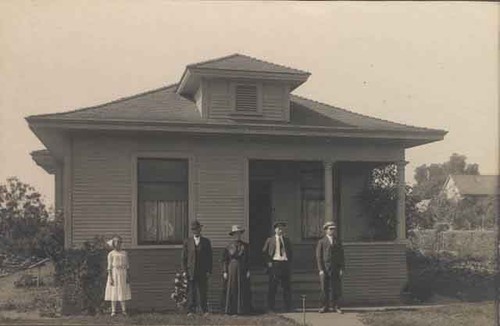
(280, 248)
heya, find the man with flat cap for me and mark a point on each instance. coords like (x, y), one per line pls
(278, 254)
(197, 266)
(330, 259)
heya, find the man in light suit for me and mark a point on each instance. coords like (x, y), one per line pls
(278, 255)
(330, 260)
(197, 266)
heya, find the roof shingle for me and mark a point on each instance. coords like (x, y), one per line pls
(240, 62)
(165, 105)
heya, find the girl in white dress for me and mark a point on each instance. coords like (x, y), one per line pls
(117, 286)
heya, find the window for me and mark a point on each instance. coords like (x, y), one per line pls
(312, 202)
(162, 201)
(246, 98)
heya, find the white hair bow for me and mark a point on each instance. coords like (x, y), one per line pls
(110, 242)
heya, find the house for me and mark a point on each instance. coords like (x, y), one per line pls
(458, 186)
(228, 144)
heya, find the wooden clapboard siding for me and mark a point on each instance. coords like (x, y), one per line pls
(374, 272)
(101, 204)
(221, 195)
(274, 100)
(152, 274)
(219, 99)
(101, 193)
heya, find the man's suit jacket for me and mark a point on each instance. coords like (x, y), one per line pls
(270, 248)
(204, 257)
(329, 257)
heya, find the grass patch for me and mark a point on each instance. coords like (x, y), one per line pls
(162, 319)
(477, 314)
(31, 301)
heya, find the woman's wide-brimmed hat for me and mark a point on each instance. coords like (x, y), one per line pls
(236, 228)
(329, 225)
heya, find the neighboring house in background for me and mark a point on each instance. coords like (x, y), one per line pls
(228, 144)
(460, 186)
(423, 205)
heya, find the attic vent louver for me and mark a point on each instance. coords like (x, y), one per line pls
(246, 98)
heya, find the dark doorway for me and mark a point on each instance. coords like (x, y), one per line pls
(260, 218)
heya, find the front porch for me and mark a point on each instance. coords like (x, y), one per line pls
(306, 194)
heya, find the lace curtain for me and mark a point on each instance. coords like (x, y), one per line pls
(163, 221)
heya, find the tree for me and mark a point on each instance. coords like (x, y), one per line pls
(430, 178)
(22, 215)
(380, 201)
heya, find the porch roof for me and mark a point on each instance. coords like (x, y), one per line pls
(165, 109)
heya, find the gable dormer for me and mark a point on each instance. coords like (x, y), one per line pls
(239, 87)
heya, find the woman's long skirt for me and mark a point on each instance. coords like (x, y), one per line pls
(237, 290)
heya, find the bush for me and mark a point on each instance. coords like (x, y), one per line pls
(476, 244)
(49, 302)
(446, 274)
(379, 202)
(83, 274)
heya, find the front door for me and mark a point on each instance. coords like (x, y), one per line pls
(260, 218)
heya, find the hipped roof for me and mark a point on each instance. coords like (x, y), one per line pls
(165, 105)
(165, 109)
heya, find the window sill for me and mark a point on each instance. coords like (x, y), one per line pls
(244, 114)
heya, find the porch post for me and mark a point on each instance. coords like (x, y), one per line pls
(58, 188)
(328, 173)
(400, 210)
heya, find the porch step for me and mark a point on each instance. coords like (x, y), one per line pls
(304, 282)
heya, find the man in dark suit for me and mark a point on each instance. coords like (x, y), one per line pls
(278, 254)
(330, 259)
(197, 266)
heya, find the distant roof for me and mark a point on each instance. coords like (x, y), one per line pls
(476, 184)
(242, 62)
(165, 105)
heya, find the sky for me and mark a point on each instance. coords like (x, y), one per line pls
(432, 65)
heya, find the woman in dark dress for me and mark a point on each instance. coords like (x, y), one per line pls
(236, 296)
